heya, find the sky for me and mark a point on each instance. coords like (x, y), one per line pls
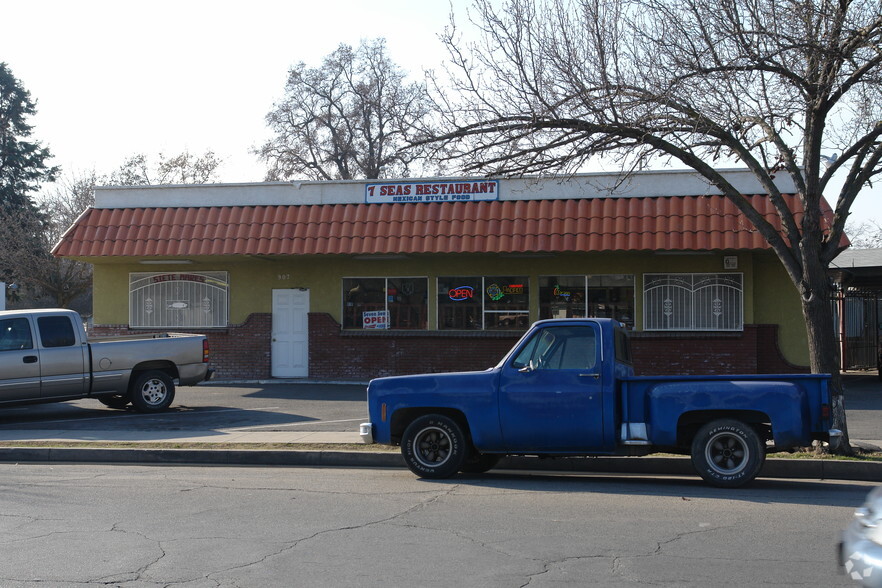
(114, 78)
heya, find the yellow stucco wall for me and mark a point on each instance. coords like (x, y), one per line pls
(777, 303)
(769, 297)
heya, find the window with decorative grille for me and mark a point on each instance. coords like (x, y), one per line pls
(693, 302)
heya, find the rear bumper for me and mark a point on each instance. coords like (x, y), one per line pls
(193, 373)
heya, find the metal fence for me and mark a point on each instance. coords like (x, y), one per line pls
(856, 317)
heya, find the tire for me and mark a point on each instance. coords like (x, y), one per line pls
(152, 391)
(727, 453)
(478, 463)
(434, 446)
(115, 401)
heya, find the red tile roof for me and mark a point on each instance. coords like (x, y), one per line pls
(684, 223)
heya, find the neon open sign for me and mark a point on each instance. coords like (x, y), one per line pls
(461, 293)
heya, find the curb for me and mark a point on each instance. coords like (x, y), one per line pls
(231, 457)
(820, 469)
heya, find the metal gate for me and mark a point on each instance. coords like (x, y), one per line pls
(856, 314)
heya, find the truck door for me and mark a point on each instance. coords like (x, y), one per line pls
(550, 394)
(19, 368)
(63, 367)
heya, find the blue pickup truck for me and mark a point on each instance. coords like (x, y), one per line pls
(568, 388)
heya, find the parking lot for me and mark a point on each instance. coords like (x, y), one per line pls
(221, 406)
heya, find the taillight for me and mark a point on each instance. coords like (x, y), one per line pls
(205, 352)
(825, 411)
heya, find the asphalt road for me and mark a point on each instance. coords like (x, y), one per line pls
(141, 527)
(273, 407)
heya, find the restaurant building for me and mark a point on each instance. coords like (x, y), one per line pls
(349, 280)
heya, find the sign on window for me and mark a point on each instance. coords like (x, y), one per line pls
(375, 319)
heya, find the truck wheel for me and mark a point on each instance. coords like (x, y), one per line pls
(152, 391)
(115, 401)
(478, 463)
(434, 446)
(727, 453)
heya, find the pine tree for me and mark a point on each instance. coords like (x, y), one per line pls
(23, 163)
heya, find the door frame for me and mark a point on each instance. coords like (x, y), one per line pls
(298, 321)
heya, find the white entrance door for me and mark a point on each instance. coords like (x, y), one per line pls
(290, 348)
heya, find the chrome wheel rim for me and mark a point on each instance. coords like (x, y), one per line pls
(727, 454)
(432, 446)
(154, 391)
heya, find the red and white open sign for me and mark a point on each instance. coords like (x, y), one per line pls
(375, 319)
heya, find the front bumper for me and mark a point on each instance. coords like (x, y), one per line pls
(366, 431)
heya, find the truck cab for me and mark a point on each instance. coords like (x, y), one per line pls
(42, 356)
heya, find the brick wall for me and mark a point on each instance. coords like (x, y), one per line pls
(752, 351)
(243, 351)
(361, 355)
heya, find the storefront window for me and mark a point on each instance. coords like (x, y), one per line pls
(459, 303)
(609, 296)
(490, 302)
(562, 297)
(385, 303)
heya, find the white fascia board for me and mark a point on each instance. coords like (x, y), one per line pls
(594, 185)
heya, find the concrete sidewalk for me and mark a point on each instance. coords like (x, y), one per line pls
(216, 437)
(316, 449)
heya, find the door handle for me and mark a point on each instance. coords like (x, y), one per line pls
(595, 376)
(30, 359)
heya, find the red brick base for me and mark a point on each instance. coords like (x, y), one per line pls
(361, 355)
(243, 351)
(753, 351)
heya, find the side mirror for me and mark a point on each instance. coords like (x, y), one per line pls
(528, 368)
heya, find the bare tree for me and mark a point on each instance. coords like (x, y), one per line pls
(768, 83)
(183, 168)
(56, 281)
(865, 235)
(63, 281)
(353, 117)
(71, 196)
(30, 238)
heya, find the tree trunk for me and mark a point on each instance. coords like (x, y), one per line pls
(823, 350)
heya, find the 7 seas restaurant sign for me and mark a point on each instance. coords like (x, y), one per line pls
(440, 191)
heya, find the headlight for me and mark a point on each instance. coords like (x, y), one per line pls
(869, 517)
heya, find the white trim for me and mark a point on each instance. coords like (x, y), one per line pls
(594, 185)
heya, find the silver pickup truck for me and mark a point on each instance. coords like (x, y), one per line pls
(45, 356)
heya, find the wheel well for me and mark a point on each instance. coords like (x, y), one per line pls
(166, 367)
(403, 417)
(690, 422)
(159, 365)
